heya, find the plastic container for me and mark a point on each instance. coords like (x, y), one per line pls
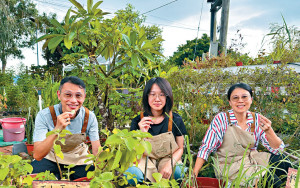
(205, 182)
(13, 129)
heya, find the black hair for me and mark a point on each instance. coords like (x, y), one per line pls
(239, 85)
(166, 88)
(74, 80)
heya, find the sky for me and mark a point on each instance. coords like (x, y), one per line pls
(179, 20)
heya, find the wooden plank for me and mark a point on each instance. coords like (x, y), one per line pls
(60, 184)
(291, 178)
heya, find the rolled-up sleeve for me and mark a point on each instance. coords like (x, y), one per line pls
(213, 137)
(41, 128)
(265, 143)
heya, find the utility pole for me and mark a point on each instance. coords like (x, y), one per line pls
(224, 25)
(215, 6)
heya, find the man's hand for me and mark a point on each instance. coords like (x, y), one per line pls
(63, 120)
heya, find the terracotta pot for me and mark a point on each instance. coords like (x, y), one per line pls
(239, 63)
(276, 62)
(30, 148)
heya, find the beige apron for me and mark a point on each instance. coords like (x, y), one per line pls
(75, 149)
(163, 146)
(234, 144)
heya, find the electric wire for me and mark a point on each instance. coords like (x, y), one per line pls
(159, 7)
(198, 32)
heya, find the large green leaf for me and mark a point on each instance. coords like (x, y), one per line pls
(149, 56)
(78, 5)
(133, 36)
(134, 60)
(55, 23)
(127, 40)
(67, 17)
(117, 159)
(54, 42)
(3, 173)
(147, 145)
(67, 42)
(130, 143)
(89, 5)
(96, 6)
(48, 36)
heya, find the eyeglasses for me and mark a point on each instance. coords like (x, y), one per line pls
(244, 98)
(154, 96)
(69, 95)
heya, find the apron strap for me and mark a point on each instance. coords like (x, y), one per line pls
(170, 123)
(228, 117)
(86, 120)
(53, 114)
(252, 124)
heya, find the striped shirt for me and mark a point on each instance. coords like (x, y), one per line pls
(214, 135)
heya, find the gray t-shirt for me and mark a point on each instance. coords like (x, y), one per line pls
(44, 124)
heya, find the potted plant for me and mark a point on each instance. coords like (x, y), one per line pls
(29, 133)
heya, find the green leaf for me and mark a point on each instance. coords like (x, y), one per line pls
(67, 17)
(96, 5)
(55, 23)
(78, 5)
(133, 36)
(67, 42)
(28, 180)
(89, 5)
(106, 176)
(57, 150)
(147, 145)
(149, 56)
(147, 44)
(127, 40)
(48, 36)
(54, 42)
(134, 60)
(157, 176)
(3, 173)
(117, 159)
(130, 143)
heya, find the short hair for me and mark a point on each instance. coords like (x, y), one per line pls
(166, 88)
(239, 85)
(74, 80)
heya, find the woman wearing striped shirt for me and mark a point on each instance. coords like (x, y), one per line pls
(238, 130)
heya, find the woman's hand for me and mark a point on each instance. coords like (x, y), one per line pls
(265, 124)
(145, 124)
(273, 139)
(166, 171)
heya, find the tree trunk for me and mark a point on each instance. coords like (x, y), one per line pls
(3, 60)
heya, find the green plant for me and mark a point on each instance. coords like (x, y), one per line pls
(57, 148)
(13, 169)
(120, 151)
(29, 127)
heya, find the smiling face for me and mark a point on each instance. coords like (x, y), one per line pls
(71, 96)
(240, 100)
(156, 99)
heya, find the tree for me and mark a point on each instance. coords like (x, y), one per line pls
(186, 51)
(17, 31)
(124, 46)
